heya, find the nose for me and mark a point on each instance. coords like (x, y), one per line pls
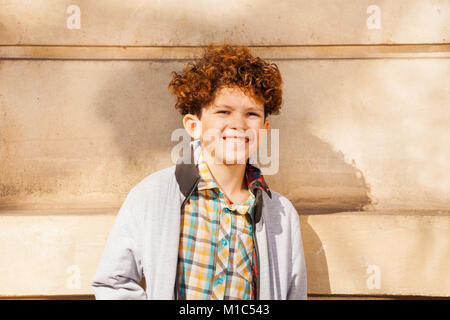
(237, 122)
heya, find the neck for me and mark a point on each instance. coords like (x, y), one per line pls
(229, 177)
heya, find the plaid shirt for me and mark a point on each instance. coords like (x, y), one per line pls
(216, 259)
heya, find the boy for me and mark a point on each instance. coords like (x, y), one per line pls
(210, 228)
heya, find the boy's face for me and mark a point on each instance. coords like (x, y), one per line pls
(230, 126)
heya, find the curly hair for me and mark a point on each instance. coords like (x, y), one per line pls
(226, 66)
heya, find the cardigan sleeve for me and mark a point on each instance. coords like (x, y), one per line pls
(120, 269)
(298, 280)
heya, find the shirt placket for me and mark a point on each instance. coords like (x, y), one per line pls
(223, 250)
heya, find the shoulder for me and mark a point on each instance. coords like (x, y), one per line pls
(280, 203)
(279, 209)
(154, 182)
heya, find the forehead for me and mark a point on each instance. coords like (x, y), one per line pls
(236, 97)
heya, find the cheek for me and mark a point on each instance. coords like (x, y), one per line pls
(256, 133)
(211, 135)
(212, 130)
(213, 123)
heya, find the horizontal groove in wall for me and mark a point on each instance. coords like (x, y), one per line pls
(113, 210)
(68, 211)
(106, 53)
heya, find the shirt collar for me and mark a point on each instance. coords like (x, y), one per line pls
(207, 182)
(187, 175)
(255, 179)
(206, 179)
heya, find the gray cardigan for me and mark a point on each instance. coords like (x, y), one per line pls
(145, 237)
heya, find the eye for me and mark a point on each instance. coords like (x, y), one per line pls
(223, 111)
(253, 114)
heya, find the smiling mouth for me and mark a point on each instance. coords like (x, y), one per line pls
(236, 139)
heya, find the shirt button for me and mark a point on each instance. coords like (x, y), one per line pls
(224, 242)
(219, 281)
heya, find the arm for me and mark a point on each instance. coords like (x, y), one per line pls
(298, 287)
(120, 269)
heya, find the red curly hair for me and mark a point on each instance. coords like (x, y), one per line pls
(226, 66)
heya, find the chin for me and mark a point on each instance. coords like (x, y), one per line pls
(230, 159)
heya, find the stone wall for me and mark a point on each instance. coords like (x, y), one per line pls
(85, 114)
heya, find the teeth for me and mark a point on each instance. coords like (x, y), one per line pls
(234, 137)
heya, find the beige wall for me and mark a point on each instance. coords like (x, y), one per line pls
(192, 23)
(355, 133)
(55, 252)
(85, 114)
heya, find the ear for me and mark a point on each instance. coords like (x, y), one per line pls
(193, 125)
(264, 130)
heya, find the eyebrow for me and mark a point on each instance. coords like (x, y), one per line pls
(230, 107)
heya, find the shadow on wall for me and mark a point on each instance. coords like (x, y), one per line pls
(137, 106)
(316, 177)
(315, 259)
